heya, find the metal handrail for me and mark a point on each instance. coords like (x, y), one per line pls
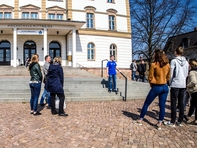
(102, 66)
(125, 95)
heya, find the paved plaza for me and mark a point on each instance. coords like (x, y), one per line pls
(90, 125)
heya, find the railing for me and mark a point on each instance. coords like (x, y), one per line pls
(125, 92)
(102, 66)
(82, 67)
(125, 96)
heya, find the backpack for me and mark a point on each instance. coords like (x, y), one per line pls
(131, 66)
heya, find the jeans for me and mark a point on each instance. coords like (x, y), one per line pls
(193, 105)
(112, 78)
(133, 75)
(35, 92)
(156, 90)
(48, 98)
(61, 103)
(177, 93)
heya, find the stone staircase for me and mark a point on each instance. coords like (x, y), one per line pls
(79, 85)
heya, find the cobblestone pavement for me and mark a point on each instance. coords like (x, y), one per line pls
(90, 125)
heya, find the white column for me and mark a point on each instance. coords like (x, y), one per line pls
(45, 42)
(74, 48)
(15, 47)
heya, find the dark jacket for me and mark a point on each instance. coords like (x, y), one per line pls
(55, 79)
(142, 68)
(35, 72)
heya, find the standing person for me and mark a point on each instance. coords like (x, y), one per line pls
(179, 68)
(45, 71)
(158, 77)
(142, 70)
(54, 85)
(192, 89)
(133, 68)
(35, 83)
(111, 72)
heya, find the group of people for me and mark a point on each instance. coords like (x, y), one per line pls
(140, 68)
(54, 82)
(181, 76)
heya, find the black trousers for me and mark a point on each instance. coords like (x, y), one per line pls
(177, 93)
(61, 103)
(193, 105)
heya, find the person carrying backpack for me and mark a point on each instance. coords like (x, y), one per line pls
(133, 68)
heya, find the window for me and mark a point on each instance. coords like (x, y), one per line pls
(59, 16)
(25, 15)
(90, 20)
(113, 50)
(110, 1)
(111, 22)
(185, 42)
(7, 15)
(51, 16)
(91, 50)
(34, 15)
(1, 14)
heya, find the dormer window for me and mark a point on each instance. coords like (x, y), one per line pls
(56, 12)
(29, 12)
(5, 11)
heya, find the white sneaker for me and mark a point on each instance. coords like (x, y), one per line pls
(168, 123)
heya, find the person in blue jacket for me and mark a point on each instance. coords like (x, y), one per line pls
(54, 84)
(111, 73)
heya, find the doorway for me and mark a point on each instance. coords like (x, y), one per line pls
(54, 49)
(29, 49)
(5, 53)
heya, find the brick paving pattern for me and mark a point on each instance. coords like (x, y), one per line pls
(90, 125)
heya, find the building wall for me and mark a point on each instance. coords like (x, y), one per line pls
(102, 50)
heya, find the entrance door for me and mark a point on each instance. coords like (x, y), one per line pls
(29, 49)
(5, 53)
(54, 49)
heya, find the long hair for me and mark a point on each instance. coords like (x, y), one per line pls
(34, 58)
(161, 58)
(57, 60)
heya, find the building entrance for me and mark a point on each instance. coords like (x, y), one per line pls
(5, 53)
(54, 49)
(29, 49)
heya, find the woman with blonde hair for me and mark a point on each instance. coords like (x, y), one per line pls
(35, 83)
(192, 89)
(159, 75)
(54, 85)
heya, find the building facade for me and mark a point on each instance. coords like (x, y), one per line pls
(186, 40)
(82, 32)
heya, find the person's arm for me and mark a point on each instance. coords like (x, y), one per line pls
(61, 74)
(193, 79)
(107, 69)
(168, 75)
(172, 67)
(39, 71)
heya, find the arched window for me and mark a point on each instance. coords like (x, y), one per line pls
(91, 51)
(113, 51)
(29, 49)
(5, 53)
(54, 49)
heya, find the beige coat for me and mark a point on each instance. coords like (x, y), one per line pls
(192, 82)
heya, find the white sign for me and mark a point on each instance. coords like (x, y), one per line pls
(30, 32)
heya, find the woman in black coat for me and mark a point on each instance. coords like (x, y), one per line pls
(54, 84)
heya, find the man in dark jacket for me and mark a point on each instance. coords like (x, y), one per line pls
(142, 69)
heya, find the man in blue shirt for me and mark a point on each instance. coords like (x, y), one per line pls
(111, 72)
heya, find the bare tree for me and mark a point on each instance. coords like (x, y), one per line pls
(154, 21)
